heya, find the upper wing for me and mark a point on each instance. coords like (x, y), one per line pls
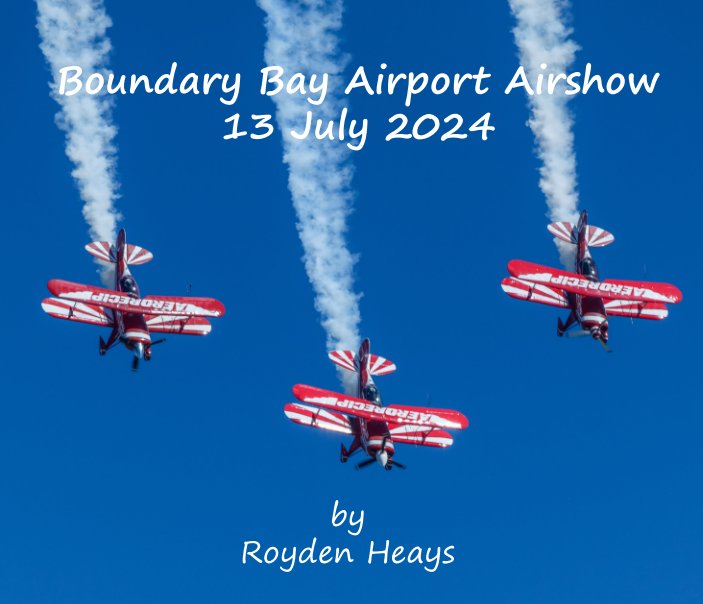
(153, 305)
(76, 311)
(191, 326)
(534, 292)
(398, 414)
(420, 435)
(636, 310)
(642, 291)
(318, 418)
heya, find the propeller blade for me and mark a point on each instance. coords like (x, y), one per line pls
(605, 345)
(399, 465)
(135, 363)
(366, 462)
(576, 334)
(161, 341)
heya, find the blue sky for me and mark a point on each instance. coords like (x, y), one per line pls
(578, 479)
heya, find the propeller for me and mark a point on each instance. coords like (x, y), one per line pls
(390, 463)
(147, 349)
(605, 345)
(366, 462)
(135, 363)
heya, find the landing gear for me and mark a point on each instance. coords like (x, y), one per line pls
(560, 328)
(344, 455)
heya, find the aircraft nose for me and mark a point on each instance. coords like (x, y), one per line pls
(382, 458)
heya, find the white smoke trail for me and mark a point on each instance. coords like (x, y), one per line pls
(302, 38)
(542, 36)
(73, 33)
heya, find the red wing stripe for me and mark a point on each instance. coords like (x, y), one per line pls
(563, 231)
(598, 237)
(637, 310)
(101, 250)
(75, 311)
(420, 435)
(196, 326)
(381, 366)
(534, 292)
(318, 418)
(344, 358)
(138, 255)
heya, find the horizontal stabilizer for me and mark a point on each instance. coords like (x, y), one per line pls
(349, 361)
(534, 292)
(318, 418)
(420, 435)
(76, 311)
(104, 251)
(642, 291)
(567, 231)
(153, 305)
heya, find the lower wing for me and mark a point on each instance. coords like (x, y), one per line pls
(420, 435)
(318, 418)
(534, 292)
(636, 310)
(190, 326)
(398, 414)
(76, 311)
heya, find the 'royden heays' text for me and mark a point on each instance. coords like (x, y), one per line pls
(286, 558)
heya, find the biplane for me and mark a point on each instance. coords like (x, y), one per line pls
(375, 427)
(132, 318)
(589, 299)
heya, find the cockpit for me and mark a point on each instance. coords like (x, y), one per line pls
(588, 269)
(128, 285)
(370, 393)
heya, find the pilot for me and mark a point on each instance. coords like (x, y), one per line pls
(128, 285)
(371, 393)
(588, 269)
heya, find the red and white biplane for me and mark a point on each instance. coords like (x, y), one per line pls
(132, 318)
(375, 427)
(590, 300)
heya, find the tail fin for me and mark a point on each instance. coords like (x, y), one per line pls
(568, 231)
(106, 252)
(363, 359)
(374, 364)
